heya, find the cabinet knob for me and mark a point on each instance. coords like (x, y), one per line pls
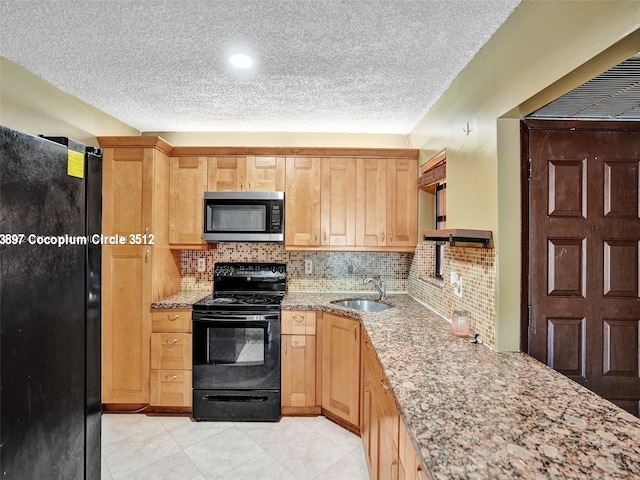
(355, 332)
(172, 341)
(147, 256)
(325, 236)
(391, 236)
(382, 237)
(384, 385)
(171, 378)
(315, 235)
(298, 318)
(173, 317)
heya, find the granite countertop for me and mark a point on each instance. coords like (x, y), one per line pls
(475, 413)
(184, 299)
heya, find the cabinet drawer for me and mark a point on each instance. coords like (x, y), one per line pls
(171, 351)
(171, 320)
(298, 322)
(171, 388)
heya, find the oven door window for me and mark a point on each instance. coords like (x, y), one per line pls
(236, 346)
(237, 218)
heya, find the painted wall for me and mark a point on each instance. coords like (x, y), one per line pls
(283, 139)
(542, 47)
(31, 105)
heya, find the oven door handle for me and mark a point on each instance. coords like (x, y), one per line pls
(233, 318)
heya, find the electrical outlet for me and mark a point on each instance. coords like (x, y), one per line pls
(202, 265)
(308, 266)
(350, 269)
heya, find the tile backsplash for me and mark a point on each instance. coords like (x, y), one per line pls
(345, 271)
(476, 267)
(331, 271)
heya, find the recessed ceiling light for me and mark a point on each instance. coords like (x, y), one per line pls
(240, 60)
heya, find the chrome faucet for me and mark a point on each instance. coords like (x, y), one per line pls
(379, 284)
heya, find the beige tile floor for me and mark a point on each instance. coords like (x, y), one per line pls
(141, 447)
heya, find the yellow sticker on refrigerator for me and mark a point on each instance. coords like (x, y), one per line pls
(75, 164)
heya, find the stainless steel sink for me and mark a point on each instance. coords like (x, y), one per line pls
(362, 304)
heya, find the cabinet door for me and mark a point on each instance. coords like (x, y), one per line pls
(402, 201)
(388, 424)
(302, 202)
(298, 370)
(265, 174)
(171, 351)
(338, 201)
(410, 468)
(371, 202)
(127, 191)
(368, 424)
(187, 184)
(171, 388)
(341, 367)
(126, 323)
(298, 322)
(171, 320)
(226, 174)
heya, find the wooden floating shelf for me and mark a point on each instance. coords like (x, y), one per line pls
(460, 237)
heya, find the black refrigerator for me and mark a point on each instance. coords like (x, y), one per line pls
(50, 256)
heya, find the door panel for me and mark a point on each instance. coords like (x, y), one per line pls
(584, 253)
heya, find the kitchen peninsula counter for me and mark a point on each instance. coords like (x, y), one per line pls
(475, 413)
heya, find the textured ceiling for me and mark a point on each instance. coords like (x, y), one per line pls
(612, 95)
(373, 66)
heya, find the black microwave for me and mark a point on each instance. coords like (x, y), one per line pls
(244, 216)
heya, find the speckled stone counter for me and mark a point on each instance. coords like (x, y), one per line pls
(184, 299)
(476, 414)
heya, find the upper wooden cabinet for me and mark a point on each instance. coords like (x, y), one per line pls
(246, 173)
(371, 202)
(402, 208)
(363, 203)
(265, 174)
(128, 180)
(302, 202)
(336, 199)
(338, 202)
(187, 184)
(191, 176)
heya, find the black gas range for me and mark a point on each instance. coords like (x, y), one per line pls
(236, 344)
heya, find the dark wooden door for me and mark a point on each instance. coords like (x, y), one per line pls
(584, 253)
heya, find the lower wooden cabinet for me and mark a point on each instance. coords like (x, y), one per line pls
(380, 419)
(409, 466)
(171, 388)
(341, 367)
(171, 358)
(299, 363)
(126, 324)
